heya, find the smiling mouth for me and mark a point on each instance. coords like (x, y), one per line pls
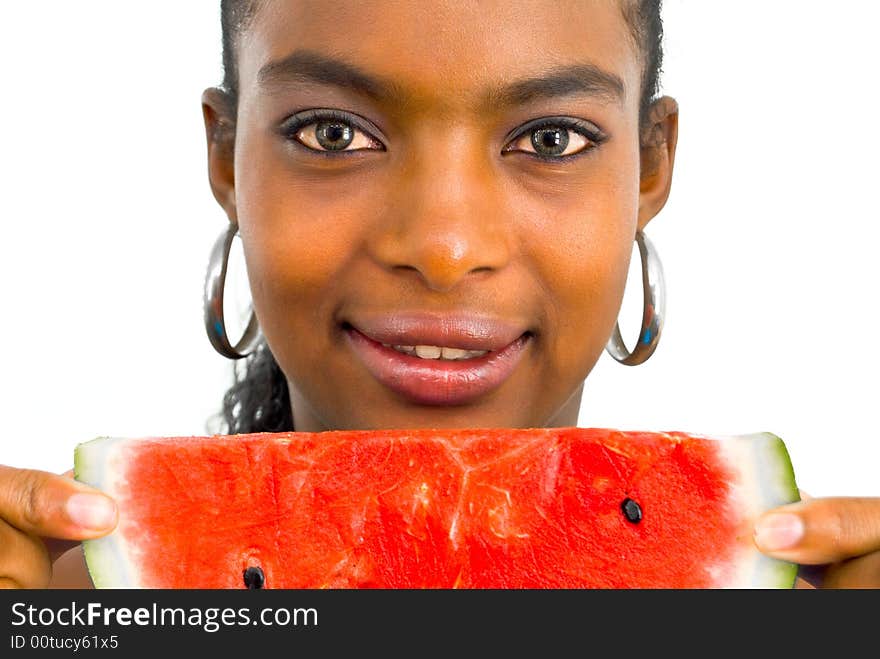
(439, 374)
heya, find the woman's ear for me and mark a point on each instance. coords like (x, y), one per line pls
(220, 133)
(657, 157)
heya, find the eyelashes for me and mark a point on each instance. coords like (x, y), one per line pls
(333, 132)
(551, 138)
(336, 134)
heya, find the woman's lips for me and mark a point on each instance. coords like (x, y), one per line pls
(436, 381)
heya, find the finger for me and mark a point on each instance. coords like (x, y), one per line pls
(58, 547)
(24, 560)
(811, 576)
(70, 571)
(825, 530)
(862, 572)
(44, 504)
(803, 584)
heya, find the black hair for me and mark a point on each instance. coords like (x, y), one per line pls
(258, 400)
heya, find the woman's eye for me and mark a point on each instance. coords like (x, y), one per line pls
(555, 140)
(334, 135)
(329, 134)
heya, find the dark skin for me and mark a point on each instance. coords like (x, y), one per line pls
(441, 205)
(441, 219)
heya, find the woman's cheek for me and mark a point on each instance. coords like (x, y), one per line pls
(585, 266)
(298, 231)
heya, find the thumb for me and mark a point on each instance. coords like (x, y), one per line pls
(47, 505)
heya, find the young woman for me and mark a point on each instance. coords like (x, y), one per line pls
(437, 203)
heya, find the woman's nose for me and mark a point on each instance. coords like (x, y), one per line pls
(445, 219)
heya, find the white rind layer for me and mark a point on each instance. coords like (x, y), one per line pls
(766, 480)
(98, 463)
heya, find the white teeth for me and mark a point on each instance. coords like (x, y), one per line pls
(429, 352)
(437, 352)
(453, 353)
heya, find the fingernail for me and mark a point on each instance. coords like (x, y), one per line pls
(778, 531)
(91, 511)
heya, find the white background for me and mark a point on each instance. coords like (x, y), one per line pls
(768, 239)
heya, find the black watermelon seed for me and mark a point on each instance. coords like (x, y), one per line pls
(254, 578)
(631, 510)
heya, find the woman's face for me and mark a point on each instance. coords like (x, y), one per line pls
(458, 175)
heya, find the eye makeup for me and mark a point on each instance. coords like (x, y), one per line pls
(293, 125)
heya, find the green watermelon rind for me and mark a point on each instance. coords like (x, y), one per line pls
(109, 567)
(775, 472)
(104, 551)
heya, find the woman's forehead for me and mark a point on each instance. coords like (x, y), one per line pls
(443, 51)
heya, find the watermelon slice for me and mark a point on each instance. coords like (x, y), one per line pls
(465, 508)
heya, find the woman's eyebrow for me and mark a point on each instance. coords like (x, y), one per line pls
(584, 78)
(306, 66)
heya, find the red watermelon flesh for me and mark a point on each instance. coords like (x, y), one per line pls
(478, 508)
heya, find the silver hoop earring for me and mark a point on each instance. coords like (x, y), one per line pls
(654, 309)
(215, 282)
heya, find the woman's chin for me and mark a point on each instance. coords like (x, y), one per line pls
(413, 416)
(393, 413)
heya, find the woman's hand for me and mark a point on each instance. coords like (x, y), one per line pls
(42, 515)
(836, 540)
